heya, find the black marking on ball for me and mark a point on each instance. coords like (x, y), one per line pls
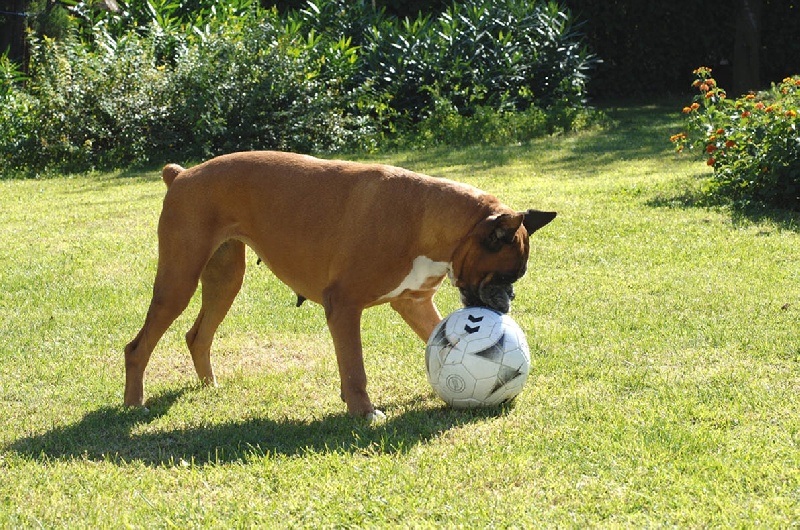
(508, 374)
(493, 353)
(471, 330)
(437, 342)
(473, 318)
(440, 339)
(505, 376)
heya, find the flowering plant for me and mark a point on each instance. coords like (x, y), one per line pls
(752, 143)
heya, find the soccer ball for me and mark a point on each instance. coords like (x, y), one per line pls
(477, 357)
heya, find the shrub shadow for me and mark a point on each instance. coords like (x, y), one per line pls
(631, 132)
(467, 158)
(120, 434)
(638, 132)
(690, 195)
(787, 220)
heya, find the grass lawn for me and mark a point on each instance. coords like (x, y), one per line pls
(665, 386)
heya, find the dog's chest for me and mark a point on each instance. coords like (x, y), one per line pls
(425, 274)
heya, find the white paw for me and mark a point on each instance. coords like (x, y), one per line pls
(375, 416)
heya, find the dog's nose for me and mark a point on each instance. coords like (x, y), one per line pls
(494, 296)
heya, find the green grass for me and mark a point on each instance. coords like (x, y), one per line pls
(665, 386)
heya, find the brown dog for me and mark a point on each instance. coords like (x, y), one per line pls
(345, 235)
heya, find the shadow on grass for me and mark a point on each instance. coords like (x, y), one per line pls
(110, 434)
(691, 195)
(637, 132)
(785, 219)
(633, 132)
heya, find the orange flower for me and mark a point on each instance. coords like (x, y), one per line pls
(750, 96)
(746, 114)
(769, 109)
(730, 143)
(695, 106)
(711, 162)
(686, 110)
(791, 114)
(720, 131)
(710, 148)
(710, 94)
(711, 82)
(759, 105)
(704, 87)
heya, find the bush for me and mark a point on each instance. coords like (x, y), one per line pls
(446, 126)
(95, 106)
(263, 84)
(252, 82)
(752, 143)
(504, 54)
(336, 75)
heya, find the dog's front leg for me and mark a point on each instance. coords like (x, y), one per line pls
(344, 322)
(420, 314)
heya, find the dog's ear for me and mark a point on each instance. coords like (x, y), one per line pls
(502, 230)
(535, 219)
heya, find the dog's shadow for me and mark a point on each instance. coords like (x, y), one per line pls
(115, 434)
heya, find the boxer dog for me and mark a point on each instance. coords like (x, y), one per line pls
(344, 235)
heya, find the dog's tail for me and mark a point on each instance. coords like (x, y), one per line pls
(169, 173)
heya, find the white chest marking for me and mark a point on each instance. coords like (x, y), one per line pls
(423, 269)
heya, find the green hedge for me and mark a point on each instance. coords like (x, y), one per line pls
(335, 75)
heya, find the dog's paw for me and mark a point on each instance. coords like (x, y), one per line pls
(375, 416)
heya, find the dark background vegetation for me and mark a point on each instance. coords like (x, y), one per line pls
(106, 83)
(650, 48)
(647, 48)
(201, 78)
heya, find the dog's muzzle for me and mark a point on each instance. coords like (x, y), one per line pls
(495, 294)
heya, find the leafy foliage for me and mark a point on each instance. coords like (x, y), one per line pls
(200, 78)
(505, 54)
(753, 143)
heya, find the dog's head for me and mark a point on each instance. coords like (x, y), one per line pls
(495, 255)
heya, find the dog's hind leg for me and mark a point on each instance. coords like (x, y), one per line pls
(173, 288)
(221, 280)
